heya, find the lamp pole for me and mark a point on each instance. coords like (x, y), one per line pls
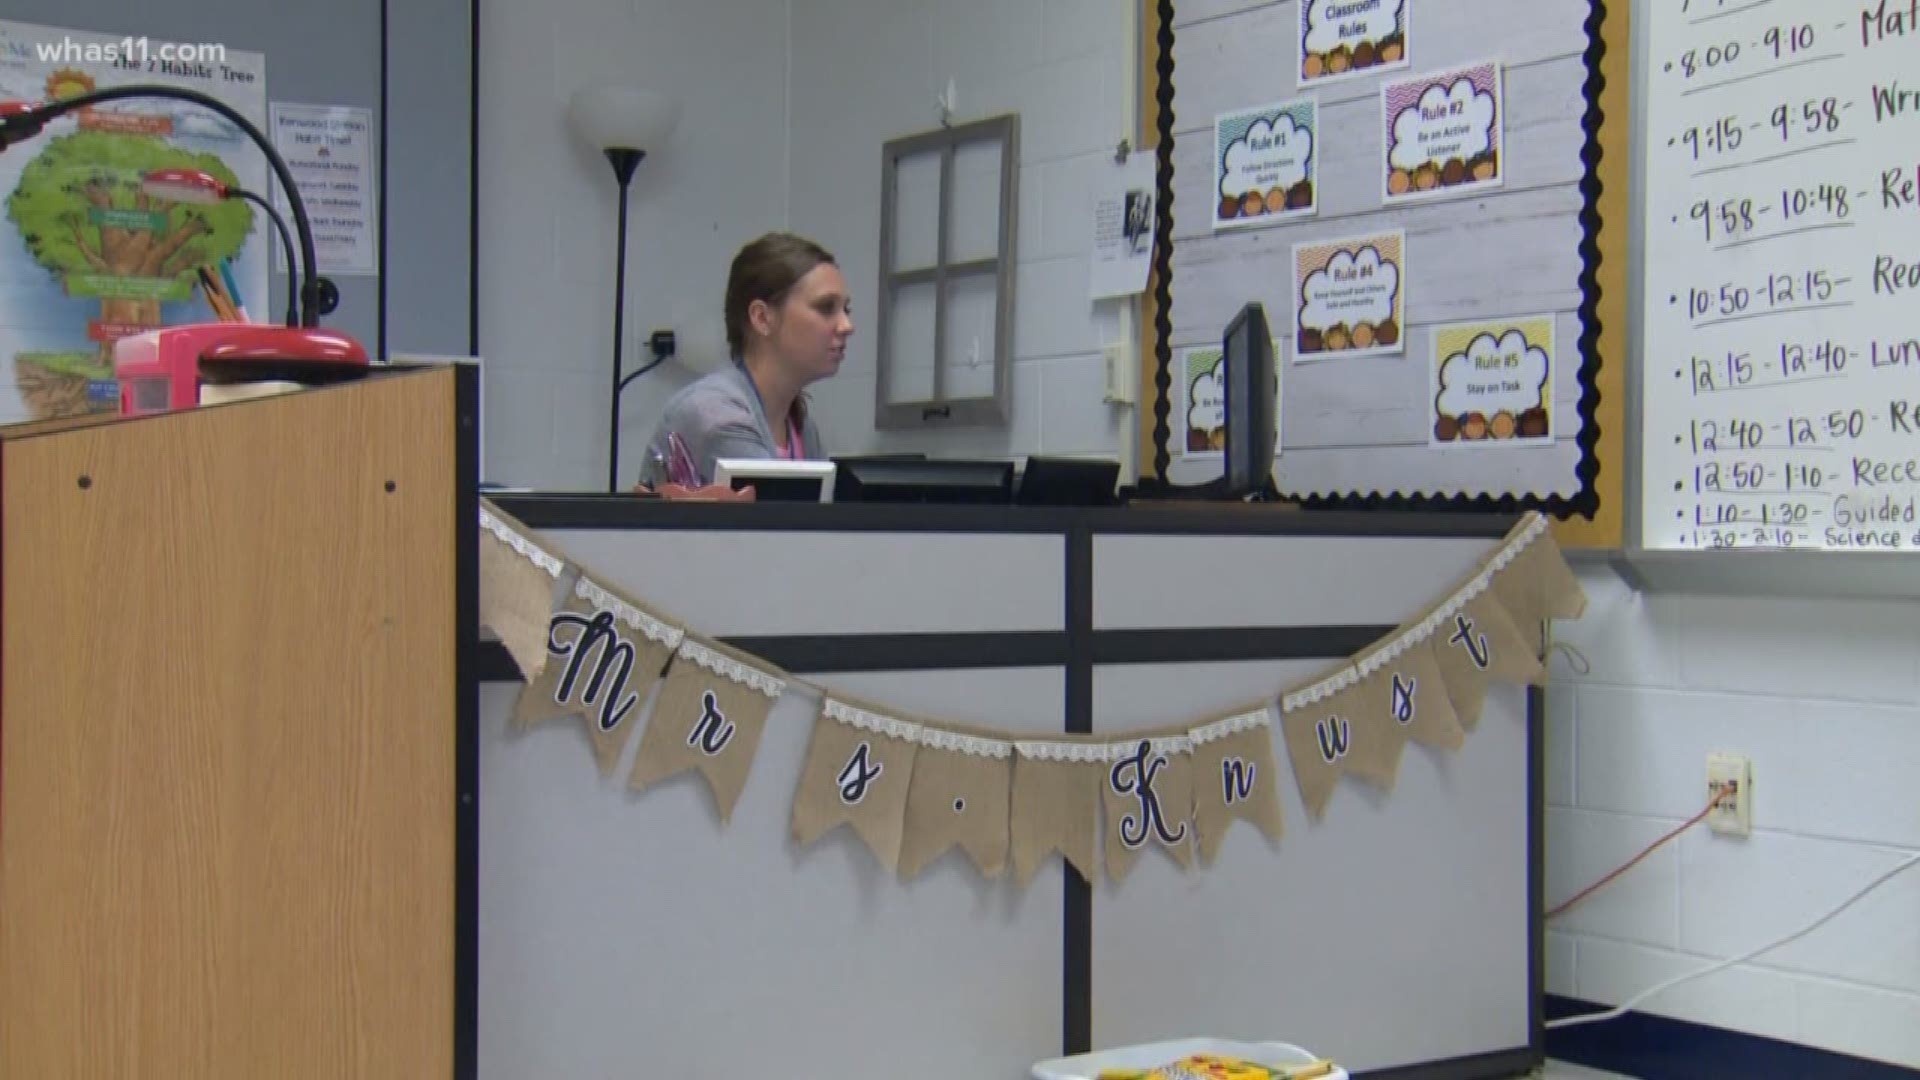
(622, 122)
(624, 162)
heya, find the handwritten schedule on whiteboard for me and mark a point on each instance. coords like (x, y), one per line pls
(1781, 360)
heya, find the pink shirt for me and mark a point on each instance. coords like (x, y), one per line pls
(796, 447)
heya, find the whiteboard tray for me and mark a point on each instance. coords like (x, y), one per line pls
(1088, 1066)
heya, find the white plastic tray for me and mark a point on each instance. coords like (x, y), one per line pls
(1088, 1066)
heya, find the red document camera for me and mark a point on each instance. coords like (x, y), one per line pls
(164, 369)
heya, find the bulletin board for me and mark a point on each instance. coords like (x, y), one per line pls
(1459, 150)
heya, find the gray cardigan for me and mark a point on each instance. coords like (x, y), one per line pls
(719, 416)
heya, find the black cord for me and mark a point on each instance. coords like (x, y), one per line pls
(286, 244)
(632, 375)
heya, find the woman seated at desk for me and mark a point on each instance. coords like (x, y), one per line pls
(788, 319)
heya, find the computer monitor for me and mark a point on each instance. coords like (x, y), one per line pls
(777, 480)
(1059, 481)
(883, 479)
(1251, 385)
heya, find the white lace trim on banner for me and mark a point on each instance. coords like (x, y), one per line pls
(670, 636)
(1231, 726)
(904, 730)
(1414, 636)
(522, 546)
(1173, 745)
(728, 667)
(935, 739)
(1075, 753)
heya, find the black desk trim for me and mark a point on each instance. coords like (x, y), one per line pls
(468, 672)
(824, 654)
(1230, 644)
(554, 510)
(827, 653)
(1076, 968)
(1537, 872)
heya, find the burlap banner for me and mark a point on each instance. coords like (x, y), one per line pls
(518, 579)
(1378, 738)
(1536, 586)
(1476, 646)
(1148, 794)
(604, 656)
(1417, 699)
(1319, 740)
(709, 718)
(1056, 803)
(1427, 681)
(961, 796)
(915, 789)
(858, 771)
(1233, 777)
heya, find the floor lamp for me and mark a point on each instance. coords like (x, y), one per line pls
(624, 123)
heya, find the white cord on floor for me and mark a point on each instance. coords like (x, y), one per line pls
(1627, 1006)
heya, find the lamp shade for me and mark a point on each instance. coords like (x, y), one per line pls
(623, 117)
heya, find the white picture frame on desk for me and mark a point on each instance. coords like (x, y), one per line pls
(732, 472)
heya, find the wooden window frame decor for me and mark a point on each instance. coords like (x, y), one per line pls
(941, 409)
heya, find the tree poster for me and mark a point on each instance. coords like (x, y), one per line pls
(86, 256)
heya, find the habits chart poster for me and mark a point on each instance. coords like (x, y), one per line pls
(88, 255)
(1782, 276)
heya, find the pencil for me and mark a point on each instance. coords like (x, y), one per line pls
(215, 298)
(233, 290)
(226, 298)
(206, 290)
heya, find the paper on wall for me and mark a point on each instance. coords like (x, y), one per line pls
(328, 149)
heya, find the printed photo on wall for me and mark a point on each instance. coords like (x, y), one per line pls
(1349, 297)
(1443, 133)
(1123, 221)
(1343, 38)
(1266, 162)
(1493, 384)
(1202, 398)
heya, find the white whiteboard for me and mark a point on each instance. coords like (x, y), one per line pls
(1782, 264)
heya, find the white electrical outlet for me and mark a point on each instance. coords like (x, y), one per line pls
(1730, 783)
(1120, 374)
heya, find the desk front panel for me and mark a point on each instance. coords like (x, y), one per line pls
(631, 934)
(1395, 931)
(1392, 932)
(1163, 582)
(622, 930)
(741, 582)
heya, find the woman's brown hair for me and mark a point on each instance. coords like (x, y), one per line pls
(766, 269)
